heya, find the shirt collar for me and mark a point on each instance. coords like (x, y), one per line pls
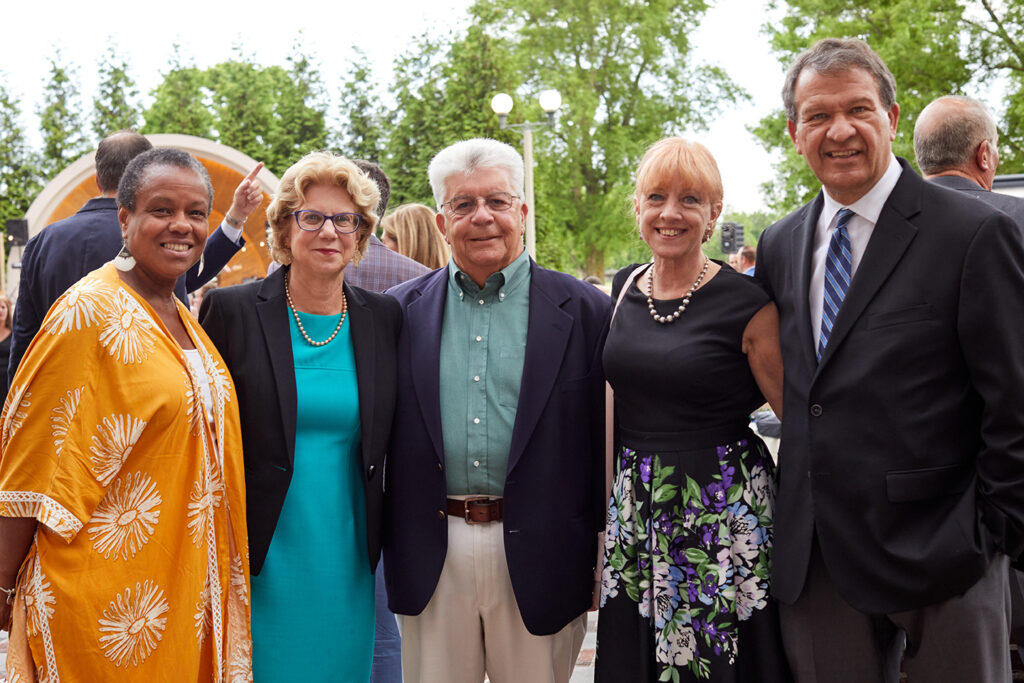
(870, 205)
(502, 283)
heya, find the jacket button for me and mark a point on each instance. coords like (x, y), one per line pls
(440, 467)
(370, 470)
(440, 514)
(816, 410)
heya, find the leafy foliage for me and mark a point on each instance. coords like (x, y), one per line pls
(995, 45)
(115, 107)
(19, 165)
(627, 79)
(60, 119)
(179, 102)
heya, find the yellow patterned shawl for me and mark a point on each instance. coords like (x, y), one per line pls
(139, 569)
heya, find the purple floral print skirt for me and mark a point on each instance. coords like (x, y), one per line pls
(687, 556)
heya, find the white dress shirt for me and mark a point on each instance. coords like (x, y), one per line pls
(866, 211)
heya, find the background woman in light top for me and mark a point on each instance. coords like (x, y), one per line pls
(314, 362)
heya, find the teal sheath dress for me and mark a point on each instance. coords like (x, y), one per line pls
(313, 603)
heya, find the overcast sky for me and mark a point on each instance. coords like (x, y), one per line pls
(208, 30)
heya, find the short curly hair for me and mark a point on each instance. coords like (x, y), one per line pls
(320, 168)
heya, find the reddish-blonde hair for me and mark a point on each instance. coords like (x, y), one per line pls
(678, 160)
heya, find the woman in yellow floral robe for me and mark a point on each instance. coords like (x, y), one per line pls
(127, 454)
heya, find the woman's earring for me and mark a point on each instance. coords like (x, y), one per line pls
(124, 261)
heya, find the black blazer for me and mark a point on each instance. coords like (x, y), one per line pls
(903, 449)
(554, 501)
(249, 325)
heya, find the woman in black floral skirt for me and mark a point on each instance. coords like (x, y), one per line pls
(693, 349)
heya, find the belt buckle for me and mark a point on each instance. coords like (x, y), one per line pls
(484, 500)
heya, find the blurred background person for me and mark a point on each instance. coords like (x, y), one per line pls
(314, 362)
(196, 297)
(6, 314)
(693, 348)
(411, 229)
(747, 260)
(121, 444)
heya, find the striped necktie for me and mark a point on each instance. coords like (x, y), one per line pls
(838, 272)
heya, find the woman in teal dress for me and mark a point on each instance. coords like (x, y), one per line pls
(314, 362)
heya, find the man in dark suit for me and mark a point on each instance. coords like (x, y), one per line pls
(901, 487)
(64, 252)
(495, 480)
(956, 145)
(955, 142)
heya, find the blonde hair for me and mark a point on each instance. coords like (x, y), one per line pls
(10, 311)
(320, 168)
(678, 160)
(414, 229)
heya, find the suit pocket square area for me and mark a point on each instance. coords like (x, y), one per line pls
(902, 316)
(906, 486)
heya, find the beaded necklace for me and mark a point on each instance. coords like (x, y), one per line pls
(671, 318)
(298, 322)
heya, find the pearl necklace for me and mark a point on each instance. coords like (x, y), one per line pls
(671, 318)
(298, 322)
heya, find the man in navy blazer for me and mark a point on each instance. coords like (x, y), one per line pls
(494, 484)
(66, 251)
(901, 481)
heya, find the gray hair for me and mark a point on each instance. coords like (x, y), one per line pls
(468, 156)
(832, 56)
(950, 140)
(138, 168)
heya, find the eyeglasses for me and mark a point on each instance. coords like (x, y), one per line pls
(311, 221)
(463, 205)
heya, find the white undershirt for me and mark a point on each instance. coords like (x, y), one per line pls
(861, 225)
(195, 362)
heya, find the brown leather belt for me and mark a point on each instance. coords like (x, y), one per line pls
(475, 510)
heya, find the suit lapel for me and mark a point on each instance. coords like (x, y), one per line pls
(890, 238)
(803, 247)
(547, 335)
(272, 311)
(424, 315)
(362, 330)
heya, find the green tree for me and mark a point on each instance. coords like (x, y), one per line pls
(627, 77)
(920, 42)
(60, 119)
(242, 97)
(442, 95)
(179, 102)
(298, 122)
(362, 123)
(19, 166)
(995, 46)
(115, 107)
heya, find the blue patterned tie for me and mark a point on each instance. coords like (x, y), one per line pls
(837, 277)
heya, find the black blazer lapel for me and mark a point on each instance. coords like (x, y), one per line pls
(363, 344)
(425, 315)
(803, 247)
(547, 335)
(892, 235)
(272, 311)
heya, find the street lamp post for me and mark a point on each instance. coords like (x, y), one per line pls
(550, 101)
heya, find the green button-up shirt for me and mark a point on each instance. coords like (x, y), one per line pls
(483, 344)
